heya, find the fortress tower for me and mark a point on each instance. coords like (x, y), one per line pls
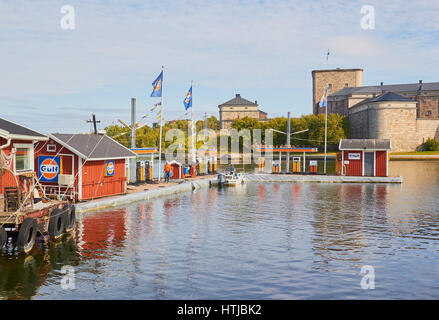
(336, 79)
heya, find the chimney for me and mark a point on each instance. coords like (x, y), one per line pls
(238, 95)
(382, 83)
(256, 101)
(420, 81)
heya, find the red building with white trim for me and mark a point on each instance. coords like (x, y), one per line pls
(365, 157)
(82, 166)
(16, 156)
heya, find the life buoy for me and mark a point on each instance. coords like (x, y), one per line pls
(26, 235)
(56, 223)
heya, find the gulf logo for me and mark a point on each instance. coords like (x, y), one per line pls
(110, 168)
(49, 169)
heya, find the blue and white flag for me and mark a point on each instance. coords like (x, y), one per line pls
(188, 100)
(324, 100)
(157, 86)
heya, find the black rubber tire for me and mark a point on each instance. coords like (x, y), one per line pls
(56, 223)
(3, 237)
(27, 234)
(70, 218)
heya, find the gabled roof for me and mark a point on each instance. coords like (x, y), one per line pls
(361, 144)
(93, 146)
(389, 96)
(409, 87)
(12, 130)
(238, 101)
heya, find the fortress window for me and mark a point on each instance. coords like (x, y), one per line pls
(329, 85)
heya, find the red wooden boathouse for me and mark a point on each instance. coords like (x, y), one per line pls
(89, 165)
(16, 156)
(365, 157)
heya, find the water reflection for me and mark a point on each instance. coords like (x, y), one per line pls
(21, 276)
(255, 241)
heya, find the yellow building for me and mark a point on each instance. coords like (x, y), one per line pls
(237, 108)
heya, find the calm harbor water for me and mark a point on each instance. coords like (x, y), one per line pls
(256, 241)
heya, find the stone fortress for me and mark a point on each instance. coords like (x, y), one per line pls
(406, 113)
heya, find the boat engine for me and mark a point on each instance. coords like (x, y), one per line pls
(221, 179)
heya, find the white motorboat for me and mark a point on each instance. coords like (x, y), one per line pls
(229, 178)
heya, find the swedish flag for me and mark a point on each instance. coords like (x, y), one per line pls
(157, 86)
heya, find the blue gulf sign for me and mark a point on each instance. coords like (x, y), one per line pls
(110, 168)
(49, 168)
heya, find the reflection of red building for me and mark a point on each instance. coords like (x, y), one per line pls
(102, 230)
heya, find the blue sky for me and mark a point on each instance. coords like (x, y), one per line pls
(53, 79)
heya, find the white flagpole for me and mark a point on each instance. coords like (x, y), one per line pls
(192, 127)
(161, 119)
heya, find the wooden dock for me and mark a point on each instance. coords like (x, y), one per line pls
(268, 177)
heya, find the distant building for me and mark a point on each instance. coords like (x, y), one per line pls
(391, 116)
(336, 80)
(406, 113)
(426, 96)
(239, 108)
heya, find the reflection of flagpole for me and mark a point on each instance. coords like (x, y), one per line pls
(326, 124)
(161, 117)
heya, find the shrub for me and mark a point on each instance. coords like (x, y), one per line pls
(431, 145)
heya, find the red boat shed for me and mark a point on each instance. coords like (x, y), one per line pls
(82, 166)
(365, 157)
(16, 156)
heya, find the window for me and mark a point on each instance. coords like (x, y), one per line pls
(51, 148)
(346, 84)
(329, 85)
(428, 113)
(23, 160)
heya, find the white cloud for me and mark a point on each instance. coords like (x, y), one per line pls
(224, 46)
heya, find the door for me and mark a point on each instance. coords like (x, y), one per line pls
(368, 164)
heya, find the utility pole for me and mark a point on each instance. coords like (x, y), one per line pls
(132, 171)
(288, 142)
(93, 120)
(205, 127)
(133, 123)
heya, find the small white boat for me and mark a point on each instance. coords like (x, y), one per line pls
(229, 178)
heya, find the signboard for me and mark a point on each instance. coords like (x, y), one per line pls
(354, 156)
(49, 168)
(346, 162)
(313, 163)
(110, 168)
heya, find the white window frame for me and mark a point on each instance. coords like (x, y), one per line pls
(31, 157)
(50, 146)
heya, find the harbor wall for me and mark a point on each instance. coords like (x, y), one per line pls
(141, 196)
